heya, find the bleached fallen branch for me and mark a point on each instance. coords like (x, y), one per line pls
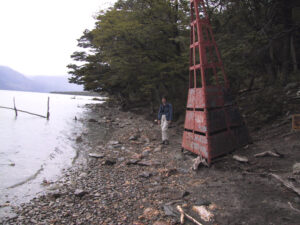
(183, 214)
(239, 158)
(286, 183)
(268, 153)
(293, 208)
(199, 160)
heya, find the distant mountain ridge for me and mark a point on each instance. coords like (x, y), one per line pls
(14, 80)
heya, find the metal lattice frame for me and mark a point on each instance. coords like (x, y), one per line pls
(211, 117)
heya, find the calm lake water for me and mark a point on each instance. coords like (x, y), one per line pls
(33, 149)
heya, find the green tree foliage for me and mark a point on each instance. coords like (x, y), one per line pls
(259, 40)
(139, 49)
(138, 52)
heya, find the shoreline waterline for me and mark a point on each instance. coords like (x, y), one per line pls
(35, 152)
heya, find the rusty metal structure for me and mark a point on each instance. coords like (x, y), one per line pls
(213, 125)
(296, 122)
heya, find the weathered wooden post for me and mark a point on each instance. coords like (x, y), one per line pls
(48, 108)
(15, 108)
(22, 111)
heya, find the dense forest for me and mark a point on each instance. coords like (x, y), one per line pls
(139, 49)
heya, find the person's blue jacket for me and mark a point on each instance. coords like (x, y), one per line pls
(165, 110)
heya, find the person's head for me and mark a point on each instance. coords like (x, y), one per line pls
(164, 99)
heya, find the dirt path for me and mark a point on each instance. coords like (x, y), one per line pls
(136, 181)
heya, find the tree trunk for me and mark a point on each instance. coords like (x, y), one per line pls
(251, 84)
(286, 57)
(271, 68)
(287, 22)
(293, 54)
(176, 28)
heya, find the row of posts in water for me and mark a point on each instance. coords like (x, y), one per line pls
(23, 111)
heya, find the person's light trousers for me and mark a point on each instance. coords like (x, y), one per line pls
(164, 128)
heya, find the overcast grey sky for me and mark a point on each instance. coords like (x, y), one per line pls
(37, 37)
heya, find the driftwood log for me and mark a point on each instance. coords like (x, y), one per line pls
(183, 215)
(268, 153)
(293, 208)
(197, 161)
(286, 183)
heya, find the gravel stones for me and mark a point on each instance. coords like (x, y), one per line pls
(97, 155)
(80, 192)
(296, 168)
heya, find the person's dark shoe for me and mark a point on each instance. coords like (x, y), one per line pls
(162, 143)
(166, 142)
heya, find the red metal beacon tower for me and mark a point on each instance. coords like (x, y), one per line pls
(213, 125)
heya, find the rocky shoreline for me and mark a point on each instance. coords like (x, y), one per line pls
(129, 178)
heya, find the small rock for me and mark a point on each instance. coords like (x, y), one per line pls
(117, 146)
(5, 205)
(55, 194)
(96, 99)
(146, 153)
(296, 168)
(33, 221)
(150, 213)
(156, 189)
(45, 182)
(148, 163)
(79, 139)
(53, 187)
(83, 175)
(97, 194)
(171, 172)
(178, 156)
(96, 155)
(12, 164)
(145, 174)
(170, 211)
(132, 162)
(100, 147)
(161, 222)
(158, 149)
(121, 159)
(109, 162)
(291, 86)
(137, 223)
(137, 156)
(185, 193)
(133, 137)
(113, 142)
(297, 200)
(80, 192)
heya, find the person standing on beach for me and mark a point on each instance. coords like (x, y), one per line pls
(165, 116)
